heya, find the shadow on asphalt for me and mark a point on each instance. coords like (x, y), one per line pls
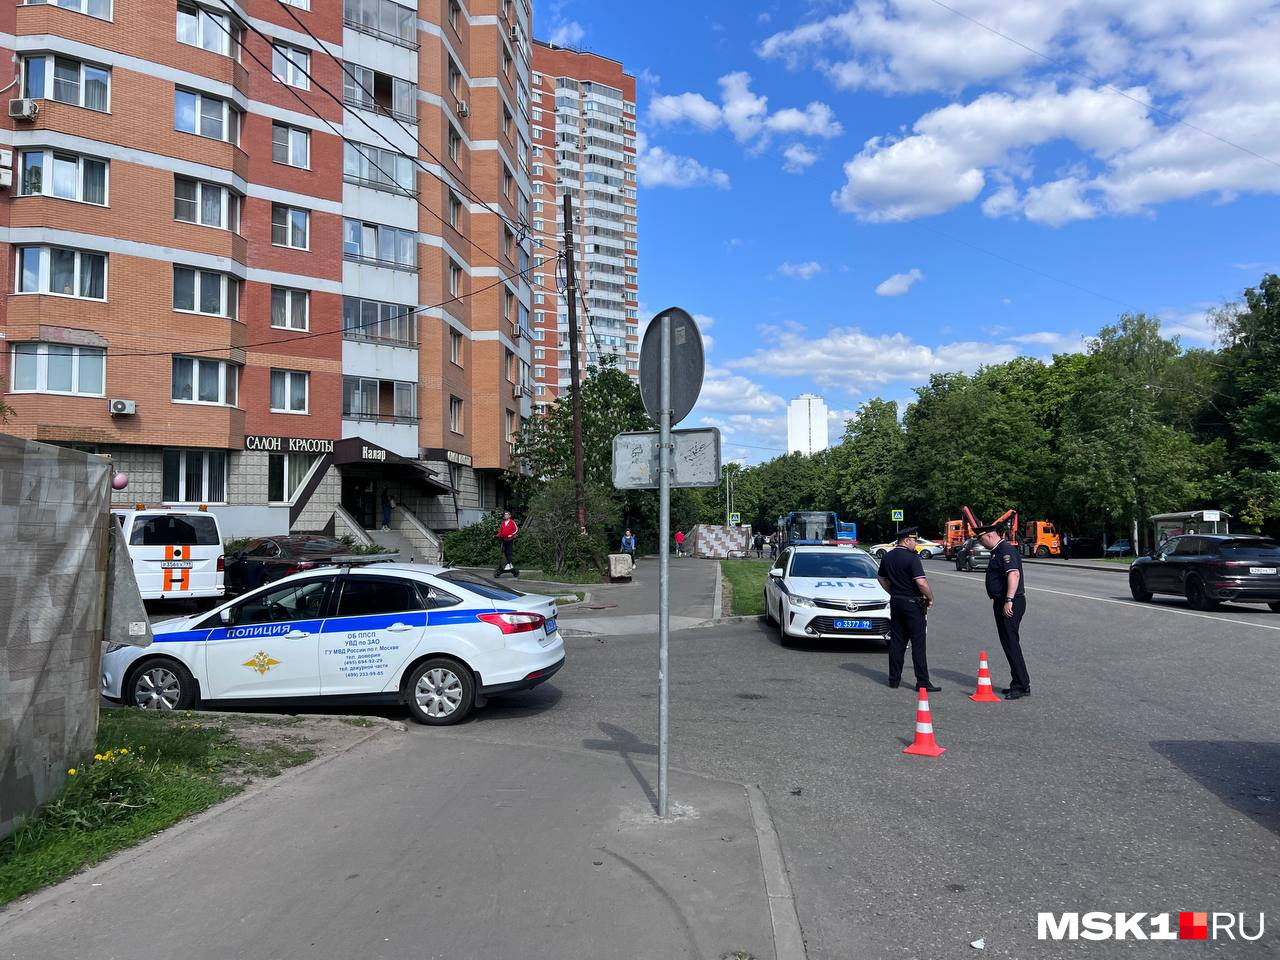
(1240, 774)
(626, 744)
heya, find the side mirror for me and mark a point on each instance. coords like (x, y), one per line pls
(225, 615)
(776, 572)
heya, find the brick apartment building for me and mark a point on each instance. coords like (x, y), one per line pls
(584, 142)
(267, 256)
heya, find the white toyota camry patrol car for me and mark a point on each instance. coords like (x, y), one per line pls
(816, 592)
(438, 640)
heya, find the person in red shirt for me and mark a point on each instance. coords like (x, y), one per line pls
(507, 531)
(679, 543)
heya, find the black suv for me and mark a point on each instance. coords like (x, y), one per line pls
(1210, 569)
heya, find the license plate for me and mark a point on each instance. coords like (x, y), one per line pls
(176, 564)
(551, 626)
(1260, 570)
(853, 624)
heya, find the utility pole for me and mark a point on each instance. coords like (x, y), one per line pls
(575, 394)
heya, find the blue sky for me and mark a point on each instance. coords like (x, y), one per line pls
(853, 195)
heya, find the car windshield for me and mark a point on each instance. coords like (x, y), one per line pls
(174, 531)
(833, 565)
(478, 584)
(1250, 550)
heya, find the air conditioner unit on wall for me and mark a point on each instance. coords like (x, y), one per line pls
(463, 109)
(122, 408)
(23, 109)
(518, 390)
(515, 33)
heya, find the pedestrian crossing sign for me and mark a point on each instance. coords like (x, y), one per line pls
(897, 516)
(735, 519)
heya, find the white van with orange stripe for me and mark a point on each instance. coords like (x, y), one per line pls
(177, 554)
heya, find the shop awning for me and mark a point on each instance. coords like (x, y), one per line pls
(355, 452)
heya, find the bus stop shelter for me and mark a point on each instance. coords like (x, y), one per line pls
(1166, 525)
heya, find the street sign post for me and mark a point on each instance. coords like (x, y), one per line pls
(671, 370)
(897, 516)
(735, 519)
(688, 365)
(695, 459)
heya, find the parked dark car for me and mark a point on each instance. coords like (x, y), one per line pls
(972, 555)
(1120, 548)
(270, 558)
(1085, 548)
(1209, 569)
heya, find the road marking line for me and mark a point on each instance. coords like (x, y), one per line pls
(1134, 603)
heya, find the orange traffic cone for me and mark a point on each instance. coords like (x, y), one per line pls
(984, 693)
(925, 746)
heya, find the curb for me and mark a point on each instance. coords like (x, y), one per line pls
(788, 938)
(1107, 567)
(718, 602)
(39, 898)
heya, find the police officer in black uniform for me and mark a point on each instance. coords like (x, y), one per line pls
(1006, 587)
(901, 574)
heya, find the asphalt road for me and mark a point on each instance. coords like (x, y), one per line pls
(1142, 775)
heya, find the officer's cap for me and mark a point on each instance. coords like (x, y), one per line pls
(908, 532)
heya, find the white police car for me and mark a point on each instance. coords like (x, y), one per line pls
(816, 592)
(438, 640)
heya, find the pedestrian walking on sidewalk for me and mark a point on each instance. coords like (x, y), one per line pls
(629, 545)
(679, 542)
(901, 574)
(1006, 587)
(507, 531)
(758, 543)
(1066, 545)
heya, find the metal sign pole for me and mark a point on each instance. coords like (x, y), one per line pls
(664, 555)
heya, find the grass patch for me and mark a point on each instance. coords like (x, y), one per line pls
(150, 770)
(744, 583)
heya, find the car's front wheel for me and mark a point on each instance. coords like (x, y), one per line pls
(440, 691)
(160, 684)
(1138, 587)
(926, 554)
(1198, 597)
(782, 626)
(1042, 551)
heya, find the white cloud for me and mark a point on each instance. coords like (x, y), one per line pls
(731, 393)
(799, 158)
(1192, 324)
(693, 107)
(804, 271)
(568, 34)
(745, 114)
(655, 167)
(1208, 65)
(899, 283)
(847, 360)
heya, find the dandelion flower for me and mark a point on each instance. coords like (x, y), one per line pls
(72, 771)
(124, 750)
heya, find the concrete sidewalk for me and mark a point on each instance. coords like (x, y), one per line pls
(432, 844)
(1079, 564)
(627, 609)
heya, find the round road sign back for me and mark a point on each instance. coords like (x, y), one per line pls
(687, 364)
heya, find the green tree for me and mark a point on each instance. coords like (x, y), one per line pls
(6, 411)
(867, 465)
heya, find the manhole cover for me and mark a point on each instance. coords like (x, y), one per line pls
(600, 606)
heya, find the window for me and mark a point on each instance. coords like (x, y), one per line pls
(455, 279)
(536, 116)
(507, 240)
(300, 4)
(67, 81)
(289, 308)
(511, 427)
(68, 176)
(378, 168)
(192, 476)
(382, 18)
(379, 322)
(296, 601)
(393, 401)
(506, 62)
(63, 272)
(216, 32)
(371, 596)
(289, 226)
(206, 291)
(455, 347)
(205, 116)
(207, 204)
(94, 8)
(455, 142)
(289, 391)
(539, 353)
(454, 12)
(380, 244)
(455, 79)
(290, 145)
(368, 89)
(455, 211)
(508, 183)
(455, 415)
(197, 380)
(291, 65)
(285, 474)
(57, 368)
